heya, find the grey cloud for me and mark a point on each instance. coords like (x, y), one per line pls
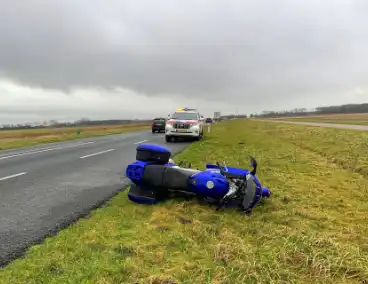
(211, 48)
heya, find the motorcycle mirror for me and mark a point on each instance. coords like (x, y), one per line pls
(254, 164)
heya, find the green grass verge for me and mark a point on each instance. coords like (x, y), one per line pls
(347, 148)
(313, 230)
(12, 139)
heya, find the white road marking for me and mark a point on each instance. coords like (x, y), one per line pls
(44, 150)
(98, 153)
(12, 176)
(140, 142)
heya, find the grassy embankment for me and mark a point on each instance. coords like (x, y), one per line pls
(10, 139)
(313, 229)
(356, 119)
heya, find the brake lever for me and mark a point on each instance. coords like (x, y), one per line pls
(220, 168)
(225, 167)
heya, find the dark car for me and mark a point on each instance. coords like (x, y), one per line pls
(208, 120)
(158, 124)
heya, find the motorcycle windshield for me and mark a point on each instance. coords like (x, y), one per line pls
(250, 192)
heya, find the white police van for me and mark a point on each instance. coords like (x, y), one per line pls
(184, 123)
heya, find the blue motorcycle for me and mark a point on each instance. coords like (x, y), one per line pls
(156, 177)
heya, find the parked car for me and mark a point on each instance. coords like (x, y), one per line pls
(158, 124)
(208, 120)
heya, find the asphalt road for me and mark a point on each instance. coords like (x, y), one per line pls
(331, 125)
(45, 188)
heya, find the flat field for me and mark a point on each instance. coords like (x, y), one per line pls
(351, 118)
(21, 138)
(312, 230)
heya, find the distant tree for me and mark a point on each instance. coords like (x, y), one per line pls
(350, 108)
(53, 122)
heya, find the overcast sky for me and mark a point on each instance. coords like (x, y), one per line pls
(117, 59)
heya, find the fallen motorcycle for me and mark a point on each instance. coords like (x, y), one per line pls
(155, 177)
